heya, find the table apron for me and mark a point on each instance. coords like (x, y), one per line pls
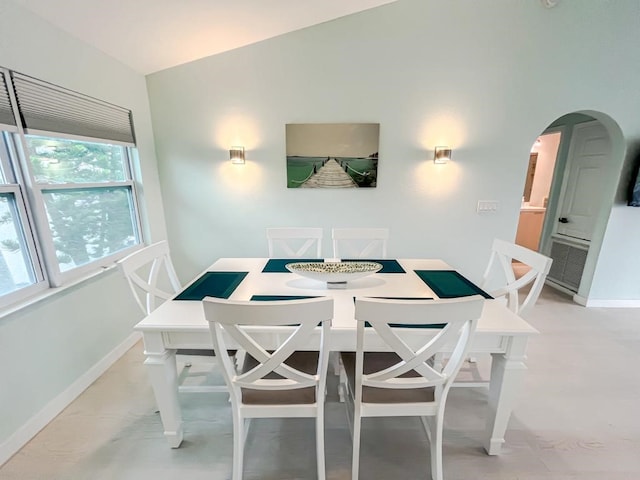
(343, 341)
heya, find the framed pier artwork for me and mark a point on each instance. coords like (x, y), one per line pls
(332, 155)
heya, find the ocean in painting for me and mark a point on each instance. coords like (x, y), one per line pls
(363, 171)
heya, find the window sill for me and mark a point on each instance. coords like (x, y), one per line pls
(51, 292)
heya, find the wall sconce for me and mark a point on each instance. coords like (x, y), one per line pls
(442, 155)
(237, 155)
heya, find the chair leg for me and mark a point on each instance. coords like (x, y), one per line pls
(238, 446)
(355, 459)
(335, 362)
(320, 444)
(436, 446)
(343, 384)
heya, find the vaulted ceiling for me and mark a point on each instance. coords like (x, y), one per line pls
(152, 35)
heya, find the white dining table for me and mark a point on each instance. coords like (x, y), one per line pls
(180, 324)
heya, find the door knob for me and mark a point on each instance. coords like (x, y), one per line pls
(563, 220)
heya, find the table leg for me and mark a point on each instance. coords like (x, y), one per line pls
(507, 372)
(161, 365)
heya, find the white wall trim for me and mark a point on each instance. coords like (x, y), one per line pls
(604, 303)
(594, 303)
(25, 433)
(580, 300)
(613, 303)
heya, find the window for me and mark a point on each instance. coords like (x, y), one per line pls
(16, 266)
(87, 194)
(67, 195)
(20, 272)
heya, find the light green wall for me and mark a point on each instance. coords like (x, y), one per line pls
(485, 78)
(46, 347)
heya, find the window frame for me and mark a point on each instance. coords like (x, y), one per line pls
(57, 277)
(29, 196)
(12, 186)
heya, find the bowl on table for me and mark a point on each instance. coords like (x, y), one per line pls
(335, 274)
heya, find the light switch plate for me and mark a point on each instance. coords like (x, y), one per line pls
(488, 206)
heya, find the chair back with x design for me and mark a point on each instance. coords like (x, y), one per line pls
(354, 243)
(283, 380)
(294, 242)
(404, 380)
(503, 254)
(455, 318)
(145, 269)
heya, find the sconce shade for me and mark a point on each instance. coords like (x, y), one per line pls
(237, 155)
(442, 155)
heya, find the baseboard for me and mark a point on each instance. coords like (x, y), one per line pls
(593, 303)
(580, 300)
(613, 303)
(29, 430)
(603, 303)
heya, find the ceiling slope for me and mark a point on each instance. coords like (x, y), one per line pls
(152, 35)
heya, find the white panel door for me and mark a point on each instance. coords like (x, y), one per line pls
(582, 195)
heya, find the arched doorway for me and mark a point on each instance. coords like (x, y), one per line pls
(586, 150)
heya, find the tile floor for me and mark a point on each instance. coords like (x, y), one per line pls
(577, 418)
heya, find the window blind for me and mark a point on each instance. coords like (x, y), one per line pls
(7, 120)
(45, 107)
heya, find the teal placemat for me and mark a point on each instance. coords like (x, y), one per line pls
(272, 298)
(450, 284)
(388, 266)
(405, 298)
(277, 265)
(405, 325)
(268, 298)
(212, 284)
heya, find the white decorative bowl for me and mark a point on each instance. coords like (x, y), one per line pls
(336, 274)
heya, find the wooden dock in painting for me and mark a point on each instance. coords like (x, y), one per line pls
(331, 175)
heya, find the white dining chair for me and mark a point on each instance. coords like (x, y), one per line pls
(501, 261)
(501, 282)
(356, 243)
(287, 382)
(294, 242)
(153, 280)
(403, 382)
